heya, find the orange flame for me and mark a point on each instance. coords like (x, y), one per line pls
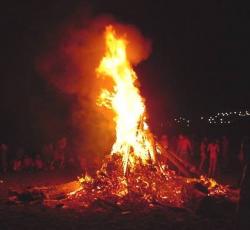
(133, 140)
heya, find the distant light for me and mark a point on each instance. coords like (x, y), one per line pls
(202, 118)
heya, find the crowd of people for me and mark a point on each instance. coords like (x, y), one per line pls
(51, 156)
(208, 155)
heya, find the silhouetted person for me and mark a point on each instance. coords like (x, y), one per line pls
(164, 141)
(243, 212)
(184, 148)
(203, 153)
(224, 151)
(17, 163)
(27, 163)
(213, 152)
(241, 155)
(3, 157)
(38, 163)
(48, 155)
(59, 153)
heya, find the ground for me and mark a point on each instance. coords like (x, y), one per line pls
(37, 216)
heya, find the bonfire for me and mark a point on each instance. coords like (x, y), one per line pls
(135, 173)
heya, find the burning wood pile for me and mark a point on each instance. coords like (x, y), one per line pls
(146, 186)
(133, 176)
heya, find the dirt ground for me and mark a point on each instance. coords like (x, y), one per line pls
(37, 216)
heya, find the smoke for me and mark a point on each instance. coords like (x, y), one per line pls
(69, 64)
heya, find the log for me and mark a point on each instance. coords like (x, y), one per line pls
(171, 157)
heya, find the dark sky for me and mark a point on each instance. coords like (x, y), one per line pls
(199, 62)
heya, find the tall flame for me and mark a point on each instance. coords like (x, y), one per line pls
(133, 138)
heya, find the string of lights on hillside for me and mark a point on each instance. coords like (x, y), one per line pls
(221, 118)
(182, 121)
(227, 117)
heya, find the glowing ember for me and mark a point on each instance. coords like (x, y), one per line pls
(214, 188)
(132, 135)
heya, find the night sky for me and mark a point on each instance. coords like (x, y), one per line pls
(199, 61)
